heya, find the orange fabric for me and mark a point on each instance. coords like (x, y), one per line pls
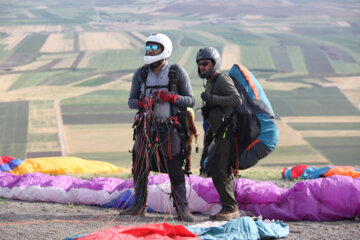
(345, 171)
(190, 119)
(192, 131)
(248, 78)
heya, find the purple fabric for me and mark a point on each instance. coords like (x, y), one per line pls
(63, 182)
(322, 199)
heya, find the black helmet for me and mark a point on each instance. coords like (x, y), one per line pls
(208, 53)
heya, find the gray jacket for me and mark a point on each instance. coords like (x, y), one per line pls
(162, 109)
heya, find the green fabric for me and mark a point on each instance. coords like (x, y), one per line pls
(221, 175)
(225, 95)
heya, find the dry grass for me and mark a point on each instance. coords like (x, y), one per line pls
(331, 133)
(57, 43)
(91, 41)
(321, 119)
(213, 36)
(43, 147)
(32, 66)
(44, 93)
(185, 57)
(139, 35)
(7, 80)
(120, 83)
(230, 56)
(289, 136)
(315, 158)
(42, 118)
(31, 29)
(350, 86)
(13, 40)
(98, 138)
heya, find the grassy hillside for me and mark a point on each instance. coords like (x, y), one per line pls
(66, 69)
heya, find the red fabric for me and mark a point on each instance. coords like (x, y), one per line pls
(298, 170)
(146, 231)
(168, 97)
(5, 159)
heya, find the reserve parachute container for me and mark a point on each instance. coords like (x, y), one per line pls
(257, 119)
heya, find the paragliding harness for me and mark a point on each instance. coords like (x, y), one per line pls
(242, 132)
(161, 128)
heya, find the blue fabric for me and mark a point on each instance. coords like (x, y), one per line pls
(75, 237)
(7, 167)
(124, 200)
(313, 172)
(287, 174)
(272, 229)
(244, 228)
(205, 124)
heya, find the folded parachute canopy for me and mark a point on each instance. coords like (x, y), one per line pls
(236, 229)
(56, 166)
(308, 172)
(338, 197)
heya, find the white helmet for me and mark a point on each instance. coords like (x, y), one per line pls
(165, 42)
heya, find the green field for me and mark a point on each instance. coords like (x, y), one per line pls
(14, 128)
(339, 150)
(90, 80)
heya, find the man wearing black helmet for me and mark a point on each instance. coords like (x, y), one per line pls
(160, 98)
(221, 97)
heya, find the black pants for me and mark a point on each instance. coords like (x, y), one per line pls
(167, 155)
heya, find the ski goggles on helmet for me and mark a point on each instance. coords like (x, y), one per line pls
(153, 47)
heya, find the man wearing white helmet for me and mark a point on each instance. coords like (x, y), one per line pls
(161, 91)
(221, 96)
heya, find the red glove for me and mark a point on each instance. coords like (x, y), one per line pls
(169, 97)
(146, 103)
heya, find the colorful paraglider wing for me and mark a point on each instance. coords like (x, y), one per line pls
(241, 228)
(337, 196)
(306, 172)
(57, 166)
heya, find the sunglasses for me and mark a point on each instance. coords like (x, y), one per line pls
(153, 47)
(204, 63)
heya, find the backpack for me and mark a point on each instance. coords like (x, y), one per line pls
(256, 119)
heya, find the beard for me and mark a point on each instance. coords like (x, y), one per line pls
(156, 64)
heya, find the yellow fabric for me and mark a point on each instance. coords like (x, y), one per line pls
(65, 165)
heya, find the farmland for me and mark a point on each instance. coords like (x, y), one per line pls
(66, 70)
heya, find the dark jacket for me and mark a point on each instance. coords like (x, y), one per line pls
(224, 98)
